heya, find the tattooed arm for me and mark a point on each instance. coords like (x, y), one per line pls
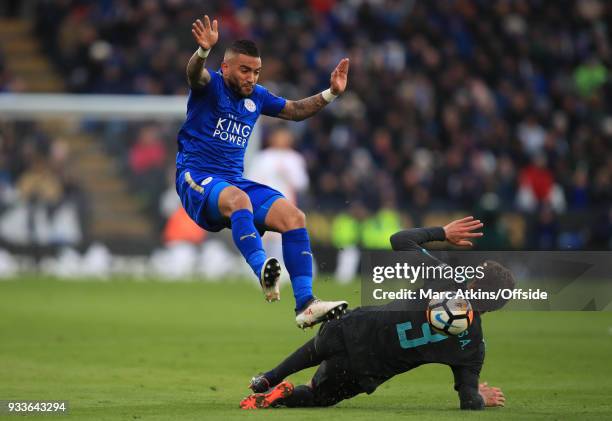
(197, 75)
(302, 109)
(307, 107)
(206, 35)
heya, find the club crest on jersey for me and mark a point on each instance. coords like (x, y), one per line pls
(249, 105)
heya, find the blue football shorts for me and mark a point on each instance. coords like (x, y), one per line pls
(199, 193)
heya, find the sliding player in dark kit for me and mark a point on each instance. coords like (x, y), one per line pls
(367, 346)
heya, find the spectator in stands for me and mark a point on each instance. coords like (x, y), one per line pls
(4, 75)
(537, 187)
(147, 162)
(532, 135)
(9, 81)
(46, 212)
(579, 190)
(280, 166)
(546, 231)
(40, 204)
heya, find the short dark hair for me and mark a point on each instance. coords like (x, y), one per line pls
(244, 46)
(496, 277)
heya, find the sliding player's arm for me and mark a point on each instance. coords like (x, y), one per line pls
(411, 239)
(472, 394)
(307, 107)
(457, 232)
(466, 385)
(206, 35)
(492, 396)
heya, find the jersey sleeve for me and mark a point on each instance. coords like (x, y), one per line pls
(466, 385)
(271, 104)
(211, 88)
(411, 240)
(466, 381)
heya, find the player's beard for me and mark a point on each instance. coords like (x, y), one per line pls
(241, 89)
(248, 89)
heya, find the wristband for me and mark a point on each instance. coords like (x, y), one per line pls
(202, 53)
(328, 96)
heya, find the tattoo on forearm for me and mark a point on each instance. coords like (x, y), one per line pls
(195, 71)
(304, 108)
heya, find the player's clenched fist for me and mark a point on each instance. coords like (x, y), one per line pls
(205, 33)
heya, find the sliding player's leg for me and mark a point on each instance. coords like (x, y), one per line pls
(333, 380)
(286, 218)
(304, 357)
(332, 383)
(270, 389)
(269, 399)
(327, 343)
(327, 349)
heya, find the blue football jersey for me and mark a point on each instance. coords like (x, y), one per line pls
(219, 122)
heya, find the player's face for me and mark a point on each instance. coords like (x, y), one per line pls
(242, 72)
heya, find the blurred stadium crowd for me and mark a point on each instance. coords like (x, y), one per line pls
(481, 106)
(40, 199)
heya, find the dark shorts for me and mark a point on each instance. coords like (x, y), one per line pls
(333, 381)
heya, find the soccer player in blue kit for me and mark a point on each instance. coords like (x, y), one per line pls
(222, 109)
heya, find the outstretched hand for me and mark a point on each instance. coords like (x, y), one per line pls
(460, 231)
(205, 34)
(339, 77)
(492, 396)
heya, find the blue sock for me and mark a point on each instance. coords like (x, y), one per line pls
(247, 239)
(298, 261)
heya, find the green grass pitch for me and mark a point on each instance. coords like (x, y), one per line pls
(150, 350)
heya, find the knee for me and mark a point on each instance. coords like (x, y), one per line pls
(235, 200)
(295, 220)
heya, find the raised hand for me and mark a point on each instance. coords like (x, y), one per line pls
(459, 231)
(492, 396)
(205, 34)
(339, 76)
